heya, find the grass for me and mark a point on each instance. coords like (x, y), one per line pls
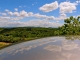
(4, 44)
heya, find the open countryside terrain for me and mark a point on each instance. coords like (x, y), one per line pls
(21, 34)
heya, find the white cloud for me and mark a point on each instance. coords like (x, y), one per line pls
(57, 21)
(50, 18)
(20, 14)
(0, 13)
(43, 23)
(40, 16)
(10, 24)
(49, 7)
(20, 6)
(4, 19)
(61, 17)
(32, 4)
(35, 23)
(30, 14)
(23, 13)
(67, 7)
(44, 16)
(10, 13)
(78, 1)
(17, 18)
(16, 9)
(6, 10)
(4, 14)
(16, 14)
(24, 6)
(43, 20)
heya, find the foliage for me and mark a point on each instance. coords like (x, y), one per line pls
(71, 26)
(18, 34)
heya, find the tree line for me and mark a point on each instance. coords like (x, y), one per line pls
(18, 34)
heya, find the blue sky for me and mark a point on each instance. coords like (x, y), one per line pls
(41, 13)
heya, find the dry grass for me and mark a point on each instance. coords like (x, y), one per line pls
(4, 44)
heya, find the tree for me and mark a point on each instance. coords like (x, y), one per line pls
(71, 26)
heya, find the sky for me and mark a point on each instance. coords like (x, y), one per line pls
(37, 13)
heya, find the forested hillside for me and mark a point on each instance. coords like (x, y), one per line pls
(13, 35)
